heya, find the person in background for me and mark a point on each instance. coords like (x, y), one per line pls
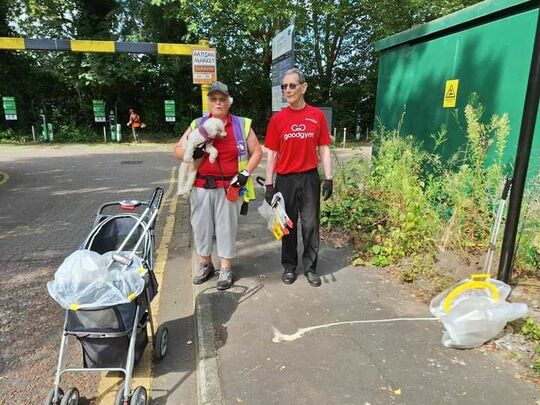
(212, 213)
(295, 138)
(135, 123)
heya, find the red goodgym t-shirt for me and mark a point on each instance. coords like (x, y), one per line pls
(295, 135)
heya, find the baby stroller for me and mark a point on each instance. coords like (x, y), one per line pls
(113, 337)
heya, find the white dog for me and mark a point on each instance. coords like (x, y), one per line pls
(212, 128)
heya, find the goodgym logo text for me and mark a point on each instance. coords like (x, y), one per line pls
(298, 132)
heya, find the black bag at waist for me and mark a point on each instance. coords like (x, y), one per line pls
(212, 182)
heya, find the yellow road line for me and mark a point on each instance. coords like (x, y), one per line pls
(142, 374)
(4, 177)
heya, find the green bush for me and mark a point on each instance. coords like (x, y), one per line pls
(384, 206)
(409, 202)
(528, 241)
(9, 135)
(467, 196)
(70, 133)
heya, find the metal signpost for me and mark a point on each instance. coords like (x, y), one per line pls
(170, 111)
(10, 108)
(203, 63)
(282, 60)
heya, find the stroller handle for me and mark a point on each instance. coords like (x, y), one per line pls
(130, 205)
(157, 196)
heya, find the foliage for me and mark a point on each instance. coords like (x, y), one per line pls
(69, 133)
(531, 330)
(466, 197)
(9, 135)
(528, 241)
(333, 45)
(408, 203)
(385, 206)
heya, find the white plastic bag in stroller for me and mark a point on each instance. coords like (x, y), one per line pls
(475, 311)
(85, 280)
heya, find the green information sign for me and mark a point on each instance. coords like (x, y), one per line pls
(10, 109)
(170, 111)
(99, 110)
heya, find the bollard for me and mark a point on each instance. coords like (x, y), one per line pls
(344, 136)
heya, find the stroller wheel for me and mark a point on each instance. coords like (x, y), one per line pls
(119, 399)
(71, 397)
(50, 397)
(161, 342)
(139, 397)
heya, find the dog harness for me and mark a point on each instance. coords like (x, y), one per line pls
(204, 133)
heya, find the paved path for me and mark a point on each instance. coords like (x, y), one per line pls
(361, 338)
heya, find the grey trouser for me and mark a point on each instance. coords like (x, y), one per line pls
(213, 215)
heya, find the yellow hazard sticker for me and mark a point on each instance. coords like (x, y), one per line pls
(74, 306)
(450, 93)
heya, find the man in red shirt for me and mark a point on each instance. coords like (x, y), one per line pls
(295, 138)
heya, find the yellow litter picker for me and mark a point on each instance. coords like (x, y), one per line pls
(282, 222)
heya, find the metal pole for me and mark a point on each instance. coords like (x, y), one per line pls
(104, 134)
(521, 164)
(33, 133)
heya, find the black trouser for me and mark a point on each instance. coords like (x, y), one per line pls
(301, 192)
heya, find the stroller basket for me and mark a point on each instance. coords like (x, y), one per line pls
(104, 332)
(109, 234)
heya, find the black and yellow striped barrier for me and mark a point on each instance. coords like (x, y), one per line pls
(77, 45)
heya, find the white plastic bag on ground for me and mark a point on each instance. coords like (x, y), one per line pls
(472, 313)
(83, 281)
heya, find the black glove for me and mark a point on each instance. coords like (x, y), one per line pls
(327, 188)
(199, 150)
(242, 178)
(270, 191)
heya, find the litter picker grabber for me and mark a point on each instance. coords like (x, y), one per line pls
(496, 226)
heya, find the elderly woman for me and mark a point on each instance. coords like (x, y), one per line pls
(212, 213)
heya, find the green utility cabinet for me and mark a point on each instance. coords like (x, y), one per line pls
(487, 47)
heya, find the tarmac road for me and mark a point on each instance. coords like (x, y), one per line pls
(48, 203)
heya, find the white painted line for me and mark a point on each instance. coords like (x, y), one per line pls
(280, 337)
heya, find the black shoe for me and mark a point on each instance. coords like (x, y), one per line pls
(313, 279)
(289, 276)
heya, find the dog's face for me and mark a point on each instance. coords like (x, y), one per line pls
(215, 128)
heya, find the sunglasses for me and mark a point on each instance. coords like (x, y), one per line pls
(218, 99)
(292, 86)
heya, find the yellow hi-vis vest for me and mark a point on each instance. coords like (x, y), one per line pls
(241, 127)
